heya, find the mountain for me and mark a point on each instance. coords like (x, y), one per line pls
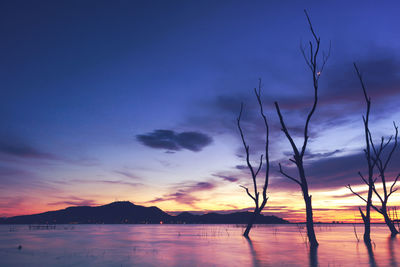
(127, 212)
(116, 212)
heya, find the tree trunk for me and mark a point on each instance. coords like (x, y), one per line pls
(310, 223)
(367, 231)
(251, 222)
(313, 256)
(309, 212)
(367, 227)
(390, 223)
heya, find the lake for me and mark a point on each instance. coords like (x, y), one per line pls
(193, 245)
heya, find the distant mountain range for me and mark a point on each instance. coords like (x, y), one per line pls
(126, 212)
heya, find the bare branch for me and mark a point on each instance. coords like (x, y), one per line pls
(313, 63)
(393, 148)
(311, 27)
(362, 177)
(305, 57)
(367, 99)
(253, 175)
(267, 165)
(260, 165)
(325, 58)
(285, 130)
(288, 176)
(377, 194)
(247, 191)
(355, 193)
(391, 191)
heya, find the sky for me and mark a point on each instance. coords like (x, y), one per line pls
(106, 101)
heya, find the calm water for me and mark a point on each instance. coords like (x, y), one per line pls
(192, 245)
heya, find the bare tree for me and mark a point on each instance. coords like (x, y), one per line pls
(254, 173)
(369, 181)
(298, 155)
(376, 160)
(382, 165)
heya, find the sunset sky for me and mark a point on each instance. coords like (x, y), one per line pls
(138, 100)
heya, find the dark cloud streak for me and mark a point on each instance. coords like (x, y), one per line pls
(127, 174)
(22, 150)
(173, 141)
(227, 178)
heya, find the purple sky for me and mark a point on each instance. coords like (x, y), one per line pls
(137, 100)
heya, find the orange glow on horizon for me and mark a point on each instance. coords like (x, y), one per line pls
(335, 205)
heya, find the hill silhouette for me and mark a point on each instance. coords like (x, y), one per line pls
(125, 212)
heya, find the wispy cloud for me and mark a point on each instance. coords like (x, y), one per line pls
(110, 182)
(14, 149)
(119, 182)
(185, 194)
(228, 178)
(23, 150)
(74, 201)
(127, 174)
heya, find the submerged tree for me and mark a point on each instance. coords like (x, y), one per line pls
(369, 181)
(298, 155)
(382, 165)
(254, 173)
(376, 160)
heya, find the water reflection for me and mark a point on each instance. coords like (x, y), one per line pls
(392, 256)
(253, 253)
(193, 245)
(371, 256)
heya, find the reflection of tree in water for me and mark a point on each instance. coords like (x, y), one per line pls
(313, 255)
(371, 256)
(391, 249)
(257, 262)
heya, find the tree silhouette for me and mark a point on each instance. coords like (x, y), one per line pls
(298, 155)
(382, 165)
(254, 173)
(370, 163)
(376, 160)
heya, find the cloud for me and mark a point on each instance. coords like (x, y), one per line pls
(73, 201)
(13, 149)
(241, 167)
(113, 182)
(185, 194)
(333, 172)
(127, 174)
(380, 73)
(22, 150)
(228, 178)
(318, 155)
(83, 202)
(341, 102)
(172, 141)
(119, 182)
(23, 181)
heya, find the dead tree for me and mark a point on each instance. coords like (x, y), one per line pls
(369, 181)
(382, 165)
(298, 155)
(254, 173)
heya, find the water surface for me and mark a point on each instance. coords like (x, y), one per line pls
(193, 245)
